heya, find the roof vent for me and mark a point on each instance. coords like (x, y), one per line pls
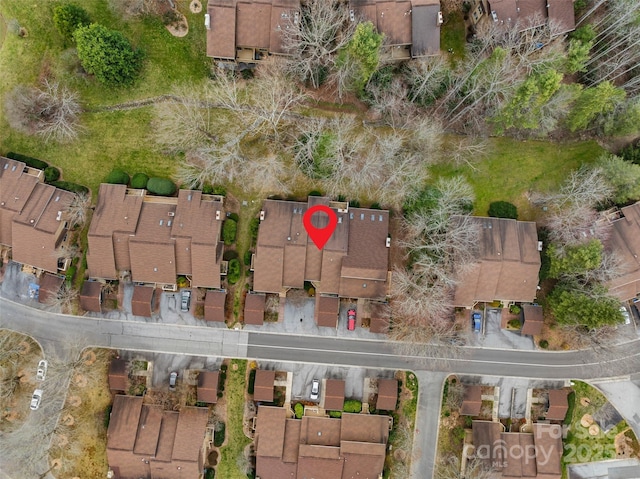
(218, 214)
(361, 216)
(155, 270)
(171, 213)
(539, 245)
(169, 223)
(13, 168)
(373, 217)
(350, 216)
(207, 21)
(59, 217)
(161, 222)
(352, 15)
(6, 165)
(189, 196)
(288, 238)
(57, 198)
(339, 219)
(388, 242)
(262, 214)
(32, 221)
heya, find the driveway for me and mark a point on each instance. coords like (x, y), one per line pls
(496, 337)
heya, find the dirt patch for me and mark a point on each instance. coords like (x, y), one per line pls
(80, 380)
(585, 401)
(180, 26)
(89, 357)
(74, 401)
(195, 6)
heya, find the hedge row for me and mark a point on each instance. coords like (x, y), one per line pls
(69, 186)
(32, 162)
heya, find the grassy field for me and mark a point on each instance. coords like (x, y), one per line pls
(453, 36)
(580, 446)
(236, 439)
(512, 168)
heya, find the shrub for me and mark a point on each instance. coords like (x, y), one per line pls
(252, 381)
(209, 473)
(631, 153)
(70, 273)
(544, 344)
(247, 257)
(515, 309)
(108, 55)
(375, 206)
(107, 416)
(218, 438)
(207, 189)
(69, 186)
(161, 186)
(315, 193)
(118, 177)
(234, 217)
(68, 17)
(515, 323)
(298, 409)
(503, 209)
(229, 229)
(253, 229)
(354, 204)
(29, 161)
(51, 173)
(233, 274)
(335, 414)
(139, 181)
(352, 405)
(219, 190)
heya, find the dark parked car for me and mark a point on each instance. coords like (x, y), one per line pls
(351, 319)
(477, 322)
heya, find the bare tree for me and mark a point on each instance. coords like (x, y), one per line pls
(65, 300)
(314, 36)
(77, 211)
(455, 394)
(452, 468)
(51, 111)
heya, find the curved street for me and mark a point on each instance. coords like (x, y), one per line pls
(55, 331)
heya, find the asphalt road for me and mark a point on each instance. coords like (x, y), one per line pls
(55, 331)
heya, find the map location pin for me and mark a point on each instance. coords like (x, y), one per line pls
(320, 236)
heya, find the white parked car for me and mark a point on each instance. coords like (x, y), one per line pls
(625, 314)
(41, 373)
(35, 399)
(315, 389)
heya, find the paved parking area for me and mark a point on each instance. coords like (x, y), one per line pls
(494, 336)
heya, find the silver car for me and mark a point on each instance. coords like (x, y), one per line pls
(315, 389)
(41, 372)
(185, 300)
(625, 314)
(35, 399)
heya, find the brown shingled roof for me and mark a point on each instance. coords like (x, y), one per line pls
(558, 404)
(254, 304)
(624, 242)
(208, 386)
(156, 238)
(17, 182)
(533, 319)
(334, 394)
(142, 301)
(326, 311)
(40, 226)
(353, 263)
(263, 385)
(91, 296)
(387, 394)
(472, 401)
(507, 267)
(214, 306)
(252, 24)
(50, 285)
(270, 428)
(118, 375)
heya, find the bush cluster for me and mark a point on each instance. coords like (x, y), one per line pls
(229, 230)
(233, 274)
(352, 405)
(118, 177)
(139, 181)
(503, 209)
(298, 409)
(69, 186)
(161, 186)
(252, 381)
(29, 161)
(51, 173)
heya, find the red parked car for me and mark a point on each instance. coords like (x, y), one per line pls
(351, 319)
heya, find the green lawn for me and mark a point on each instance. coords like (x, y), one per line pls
(512, 168)
(453, 35)
(580, 446)
(236, 439)
(109, 139)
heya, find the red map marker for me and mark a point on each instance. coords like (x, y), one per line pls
(320, 236)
